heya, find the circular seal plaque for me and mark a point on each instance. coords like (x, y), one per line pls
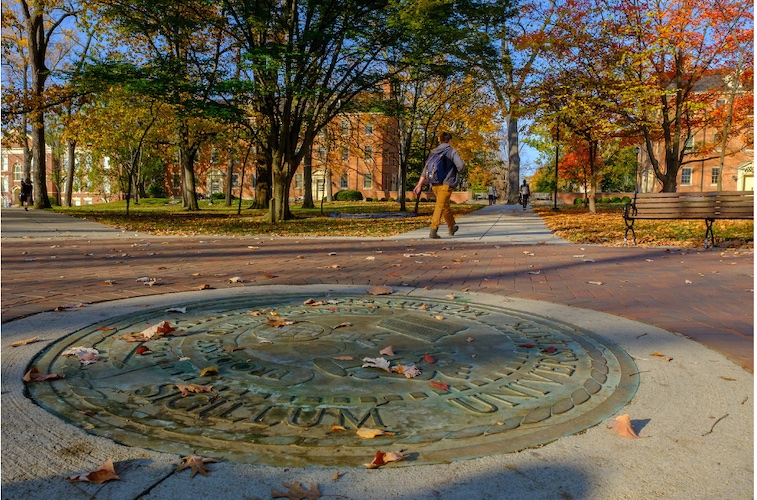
(290, 379)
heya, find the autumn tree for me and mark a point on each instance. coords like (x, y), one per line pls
(39, 23)
(668, 50)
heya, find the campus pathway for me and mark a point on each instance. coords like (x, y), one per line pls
(694, 411)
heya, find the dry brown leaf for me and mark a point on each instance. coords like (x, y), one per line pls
(383, 458)
(439, 385)
(343, 358)
(661, 355)
(367, 433)
(335, 428)
(186, 389)
(197, 464)
(387, 351)
(278, 322)
(622, 425)
(377, 363)
(336, 476)
(33, 375)
(296, 491)
(209, 371)
(342, 325)
(380, 290)
(19, 343)
(106, 472)
(204, 287)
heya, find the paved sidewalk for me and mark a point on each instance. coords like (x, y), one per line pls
(695, 412)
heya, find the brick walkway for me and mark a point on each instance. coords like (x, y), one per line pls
(705, 295)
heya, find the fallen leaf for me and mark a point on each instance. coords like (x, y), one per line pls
(343, 358)
(367, 433)
(297, 492)
(429, 358)
(342, 325)
(106, 472)
(387, 351)
(376, 363)
(469, 339)
(439, 317)
(423, 307)
(186, 389)
(729, 379)
(204, 287)
(595, 282)
(379, 290)
(19, 343)
(236, 279)
(142, 350)
(335, 428)
(197, 464)
(550, 350)
(439, 385)
(231, 348)
(270, 276)
(336, 476)
(661, 355)
(209, 371)
(622, 425)
(86, 355)
(451, 296)
(33, 375)
(383, 458)
(528, 346)
(278, 322)
(409, 371)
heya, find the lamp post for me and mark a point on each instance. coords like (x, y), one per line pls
(557, 155)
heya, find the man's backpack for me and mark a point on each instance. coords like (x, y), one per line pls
(437, 167)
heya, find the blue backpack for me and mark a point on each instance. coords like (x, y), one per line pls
(437, 167)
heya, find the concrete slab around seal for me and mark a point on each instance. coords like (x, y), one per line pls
(694, 413)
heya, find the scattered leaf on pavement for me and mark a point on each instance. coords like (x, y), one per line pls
(143, 349)
(383, 458)
(387, 351)
(377, 363)
(209, 371)
(197, 464)
(33, 375)
(380, 290)
(622, 425)
(106, 472)
(296, 491)
(367, 433)
(439, 385)
(661, 355)
(186, 389)
(278, 322)
(19, 343)
(86, 355)
(429, 358)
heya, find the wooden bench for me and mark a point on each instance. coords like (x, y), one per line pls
(705, 206)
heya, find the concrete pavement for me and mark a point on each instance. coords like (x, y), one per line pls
(695, 411)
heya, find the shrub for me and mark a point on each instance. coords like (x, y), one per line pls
(615, 199)
(369, 199)
(578, 201)
(626, 199)
(348, 195)
(157, 191)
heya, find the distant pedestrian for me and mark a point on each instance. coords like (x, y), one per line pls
(442, 171)
(26, 193)
(492, 194)
(525, 192)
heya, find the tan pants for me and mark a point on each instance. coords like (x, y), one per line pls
(442, 209)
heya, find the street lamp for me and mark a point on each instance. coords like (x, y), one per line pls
(557, 155)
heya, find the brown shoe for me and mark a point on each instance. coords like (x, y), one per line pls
(433, 235)
(453, 230)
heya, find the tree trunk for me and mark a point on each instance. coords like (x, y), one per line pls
(263, 181)
(513, 160)
(189, 185)
(229, 179)
(307, 178)
(70, 173)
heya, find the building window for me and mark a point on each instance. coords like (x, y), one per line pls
(369, 152)
(321, 153)
(345, 154)
(213, 156)
(367, 181)
(176, 181)
(235, 180)
(18, 172)
(343, 181)
(689, 144)
(686, 176)
(715, 175)
(345, 127)
(5, 163)
(298, 181)
(369, 129)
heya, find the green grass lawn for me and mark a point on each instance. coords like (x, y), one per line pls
(160, 217)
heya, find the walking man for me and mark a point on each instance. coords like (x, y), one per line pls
(492, 194)
(442, 171)
(525, 192)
